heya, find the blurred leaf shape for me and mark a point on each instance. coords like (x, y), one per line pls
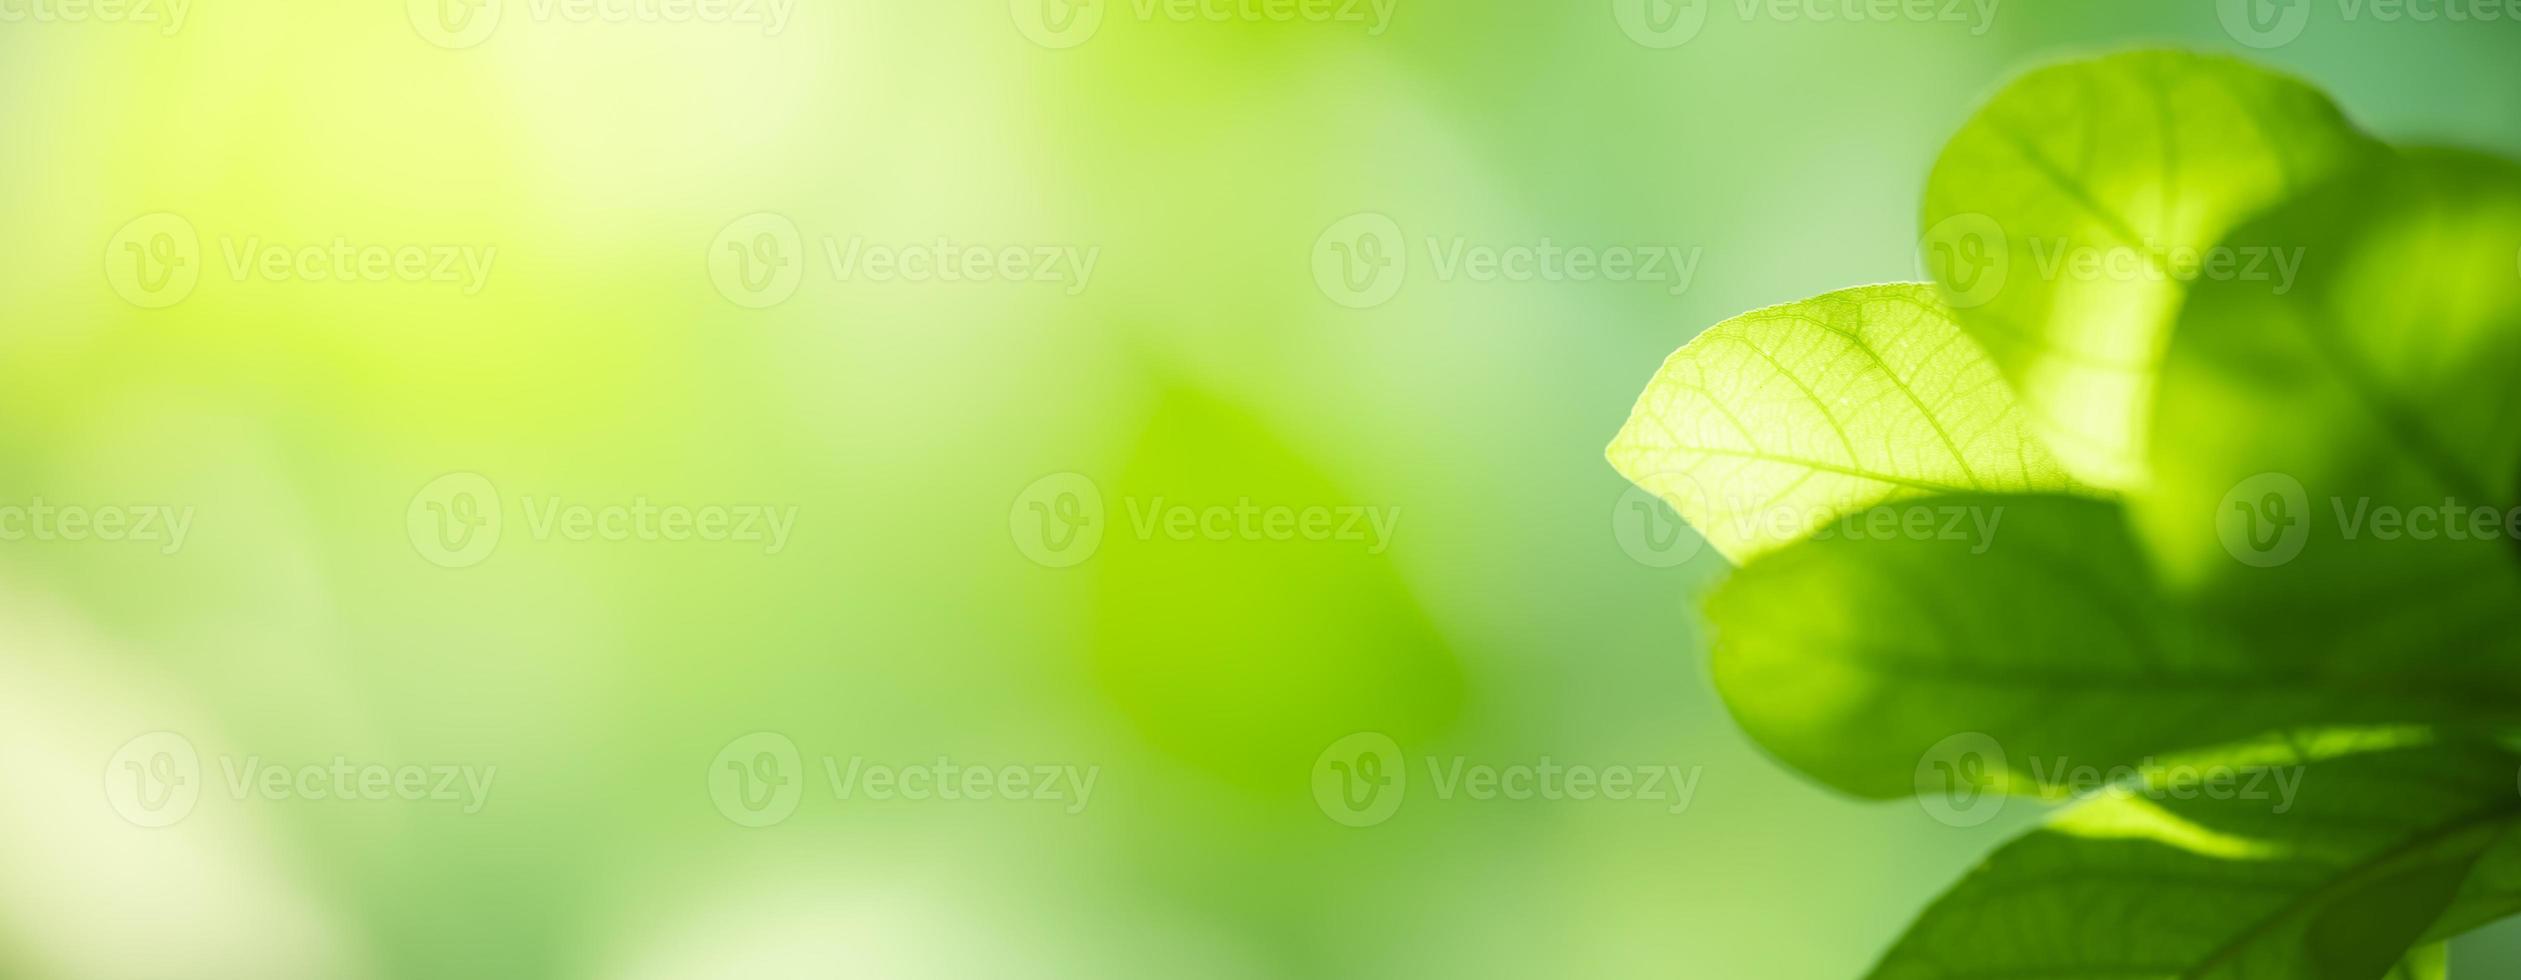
(1773, 424)
(1244, 654)
(2146, 155)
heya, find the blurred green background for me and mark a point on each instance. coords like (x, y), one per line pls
(1519, 609)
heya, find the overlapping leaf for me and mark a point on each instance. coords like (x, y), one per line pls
(2067, 217)
(2179, 882)
(2336, 463)
(2031, 620)
(2492, 892)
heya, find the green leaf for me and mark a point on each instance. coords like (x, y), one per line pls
(2149, 881)
(2423, 963)
(1856, 659)
(1771, 425)
(2335, 464)
(2140, 162)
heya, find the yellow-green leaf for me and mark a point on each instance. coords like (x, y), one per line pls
(2068, 217)
(1773, 424)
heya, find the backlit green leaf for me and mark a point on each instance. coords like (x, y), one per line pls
(1771, 425)
(2066, 219)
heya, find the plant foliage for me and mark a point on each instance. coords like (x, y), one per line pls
(2200, 458)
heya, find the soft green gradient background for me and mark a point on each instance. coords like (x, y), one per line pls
(1203, 365)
